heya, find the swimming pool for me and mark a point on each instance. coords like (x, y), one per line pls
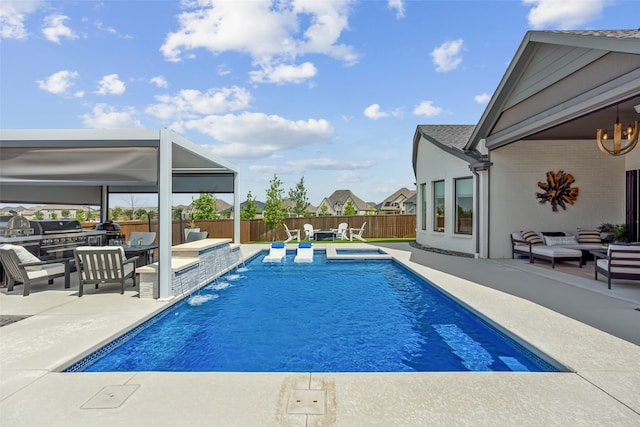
(362, 316)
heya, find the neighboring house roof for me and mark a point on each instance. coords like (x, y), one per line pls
(559, 85)
(395, 201)
(341, 197)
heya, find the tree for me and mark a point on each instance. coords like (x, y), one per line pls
(80, 215)
(205, 207)
(349, 209)
(39, 215)
(324, 210)
(141, 213)
(53, 215)
(128, 213)
(274, 210)
(66, 213)
(91, 215)
(250, 210)
(116, 212)
(151, 214)
(177, 213)
(298, 196)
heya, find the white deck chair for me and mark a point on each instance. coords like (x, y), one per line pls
(305, 253)
(357, 233)
(277, 251)
(341, 231)
(291, 234)
(308, 231)
(104, 264)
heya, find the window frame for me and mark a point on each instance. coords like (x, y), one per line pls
(458, 221)
(436, 206)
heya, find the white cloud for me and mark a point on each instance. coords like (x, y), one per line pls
(563, 14)
(159, 81)
(191, 103)
(447, 56)
(272, 32)
(374, 113)
(398, 5)
(12, 16)
(426, 108)
(284, 73)
(257, 135)
(350, 178)
(111, 85)
(104, 116)
(482, 98)
(54, 28)
(59, 83)
(224, 70)
(325, 163)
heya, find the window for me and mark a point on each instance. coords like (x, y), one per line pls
(464, 205)
(423, 201)
(438, 206)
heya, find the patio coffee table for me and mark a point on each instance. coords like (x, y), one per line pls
(324, 235)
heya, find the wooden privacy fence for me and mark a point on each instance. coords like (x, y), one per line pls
(255, 230)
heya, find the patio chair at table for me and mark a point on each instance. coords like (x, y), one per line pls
(341, 231)
(99, 265)
(308, 231)
(21, 266)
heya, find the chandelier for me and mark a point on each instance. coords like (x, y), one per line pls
(629, 137)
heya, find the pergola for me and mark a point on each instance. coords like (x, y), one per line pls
(84, 166)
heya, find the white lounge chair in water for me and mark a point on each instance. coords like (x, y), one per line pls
(276, 253)
(305, 253)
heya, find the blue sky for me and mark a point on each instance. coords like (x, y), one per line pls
(328, 90)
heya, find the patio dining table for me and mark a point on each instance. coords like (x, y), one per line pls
(145, 252)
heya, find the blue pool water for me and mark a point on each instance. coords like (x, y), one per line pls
(361, 316)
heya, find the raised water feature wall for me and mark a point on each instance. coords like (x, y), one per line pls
(193, 265)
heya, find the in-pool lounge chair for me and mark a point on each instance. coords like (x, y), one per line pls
(305, 253)
(99, 265)
(277, 251)
(21, 266)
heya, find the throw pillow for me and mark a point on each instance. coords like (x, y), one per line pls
(532, 237)
(560, 240)
(589, 236)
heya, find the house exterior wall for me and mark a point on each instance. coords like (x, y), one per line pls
(518, 167)
(433, 164)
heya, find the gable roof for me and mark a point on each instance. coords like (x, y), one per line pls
(560, 85)
(342, 196)
(450, 138)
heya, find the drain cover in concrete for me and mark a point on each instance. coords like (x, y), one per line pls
(310, 402)
(110, 397)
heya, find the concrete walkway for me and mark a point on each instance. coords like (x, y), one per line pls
(602, 389)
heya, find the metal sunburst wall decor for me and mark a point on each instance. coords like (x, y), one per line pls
(557, 190)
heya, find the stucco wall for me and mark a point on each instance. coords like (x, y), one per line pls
(518, 167)
(433, 165)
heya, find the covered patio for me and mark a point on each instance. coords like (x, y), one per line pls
(85, 166)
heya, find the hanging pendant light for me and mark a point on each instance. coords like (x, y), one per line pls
(629, 138)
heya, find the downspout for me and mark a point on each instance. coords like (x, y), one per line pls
(476, 208)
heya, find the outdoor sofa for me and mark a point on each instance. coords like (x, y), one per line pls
(556, 246)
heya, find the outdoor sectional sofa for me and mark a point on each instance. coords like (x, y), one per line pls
(556, 246)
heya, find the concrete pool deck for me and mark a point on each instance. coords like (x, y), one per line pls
(602, 389)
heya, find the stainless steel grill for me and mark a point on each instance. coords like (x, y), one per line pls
(59, 238)
(14, 226)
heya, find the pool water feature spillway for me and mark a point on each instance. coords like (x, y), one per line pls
(193, 265)
(323, 316)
